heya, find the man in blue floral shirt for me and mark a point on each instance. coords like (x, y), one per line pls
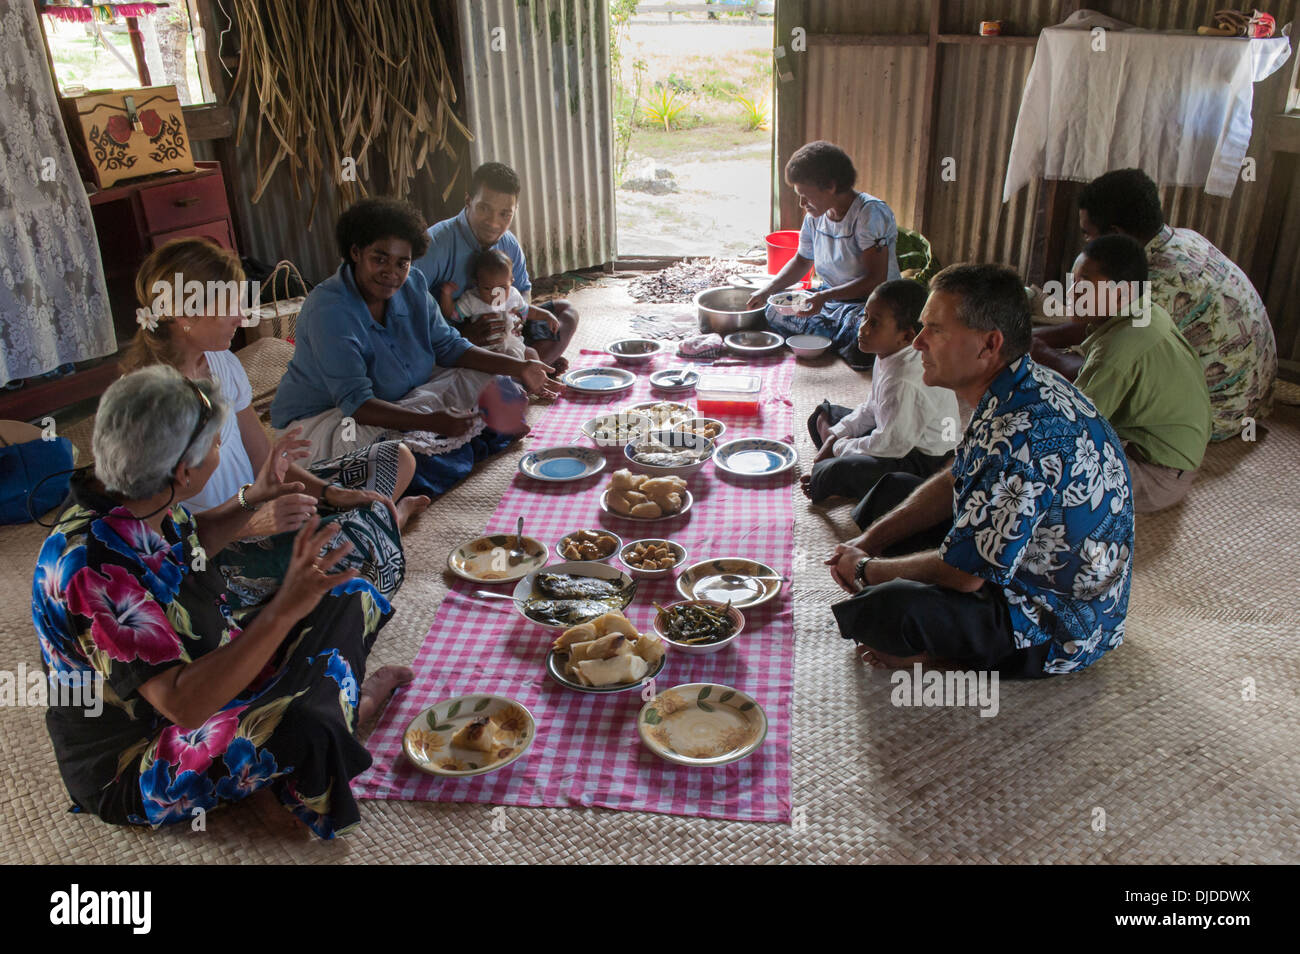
(1019, 559)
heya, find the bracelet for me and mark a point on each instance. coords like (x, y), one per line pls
(860, 572)
(243, 501)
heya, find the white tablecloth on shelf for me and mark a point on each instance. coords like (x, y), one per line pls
(1175, 105)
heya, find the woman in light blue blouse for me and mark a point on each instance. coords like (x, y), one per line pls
(850, 237)
(371, 335)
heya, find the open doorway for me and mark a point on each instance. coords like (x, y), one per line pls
(692, 127)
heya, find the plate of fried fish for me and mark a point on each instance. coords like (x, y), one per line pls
(469, 735)
(566, 594)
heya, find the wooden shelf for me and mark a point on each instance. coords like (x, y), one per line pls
(975, 39)
(868, 39)
(123, 189)
(38, 397)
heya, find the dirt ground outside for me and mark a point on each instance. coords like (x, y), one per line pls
(721, 169)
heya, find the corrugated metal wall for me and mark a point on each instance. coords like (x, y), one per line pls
(870, 100)
(979, 100)
(538, 98)
(882, 130)
(276, 226)
(1283, 291)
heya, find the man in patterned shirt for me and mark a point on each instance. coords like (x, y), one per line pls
(1033, 525)
(1209, 297)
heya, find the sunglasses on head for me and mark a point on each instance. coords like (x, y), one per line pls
(205, 415)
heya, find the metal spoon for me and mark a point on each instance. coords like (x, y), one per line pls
(488, 594)
(518, 554)
(733, 578)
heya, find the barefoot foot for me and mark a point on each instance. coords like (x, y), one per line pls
(408, 508)
(882, 660)
(273, 813)
(378, 686)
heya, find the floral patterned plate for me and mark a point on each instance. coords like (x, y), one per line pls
(427, 742)
(702, 723)
(487, 559)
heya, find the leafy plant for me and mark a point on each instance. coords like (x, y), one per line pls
(663, 107)
(679, 84)
(723, 89)
(754, 112)
(914, 256)
(623, 123)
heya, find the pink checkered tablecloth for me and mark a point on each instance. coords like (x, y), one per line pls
(587, 750)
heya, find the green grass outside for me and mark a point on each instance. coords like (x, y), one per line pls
(82, 60)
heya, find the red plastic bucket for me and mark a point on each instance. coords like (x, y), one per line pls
(781, 247)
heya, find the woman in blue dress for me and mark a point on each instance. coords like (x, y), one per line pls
(849, 237)
(167, 701)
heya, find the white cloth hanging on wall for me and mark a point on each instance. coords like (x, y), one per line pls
(53, 302)
(1174, 105)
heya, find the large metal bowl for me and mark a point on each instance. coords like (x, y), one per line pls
(722, 310)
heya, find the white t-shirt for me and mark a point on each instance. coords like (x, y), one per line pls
(901, 413)
(470, 305)
(234, 469)
(836, 248)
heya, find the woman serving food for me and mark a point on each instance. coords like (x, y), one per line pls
(850, 237)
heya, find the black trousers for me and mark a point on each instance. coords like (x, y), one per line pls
(906, 618)
(856, 474)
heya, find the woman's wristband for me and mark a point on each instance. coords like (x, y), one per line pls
(243, 500)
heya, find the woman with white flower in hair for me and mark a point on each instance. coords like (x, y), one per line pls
(200, 706)
(192, 332)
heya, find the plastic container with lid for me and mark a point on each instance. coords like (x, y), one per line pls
(728, 393)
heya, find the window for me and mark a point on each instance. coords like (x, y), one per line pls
(101, 47)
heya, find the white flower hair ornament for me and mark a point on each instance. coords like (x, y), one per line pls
(145, 318)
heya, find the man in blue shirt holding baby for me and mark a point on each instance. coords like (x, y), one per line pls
(484, 224)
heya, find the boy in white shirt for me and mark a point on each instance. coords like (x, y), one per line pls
(904, 426)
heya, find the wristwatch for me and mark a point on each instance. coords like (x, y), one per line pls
(860, 571)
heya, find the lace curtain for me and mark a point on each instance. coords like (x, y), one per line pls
(53, 303)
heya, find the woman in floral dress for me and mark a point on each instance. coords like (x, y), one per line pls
(201, 705)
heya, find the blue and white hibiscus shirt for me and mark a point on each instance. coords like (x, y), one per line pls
(1042, 508)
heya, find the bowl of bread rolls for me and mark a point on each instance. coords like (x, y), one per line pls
(642, 497)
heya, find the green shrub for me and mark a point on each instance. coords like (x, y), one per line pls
(663, 108)
(754, 112)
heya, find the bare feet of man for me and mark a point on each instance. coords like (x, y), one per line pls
(877, 659)
(379, 685)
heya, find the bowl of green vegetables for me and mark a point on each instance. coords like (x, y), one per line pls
(698, 627)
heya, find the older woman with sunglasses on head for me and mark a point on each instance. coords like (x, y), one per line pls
(200, 706)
